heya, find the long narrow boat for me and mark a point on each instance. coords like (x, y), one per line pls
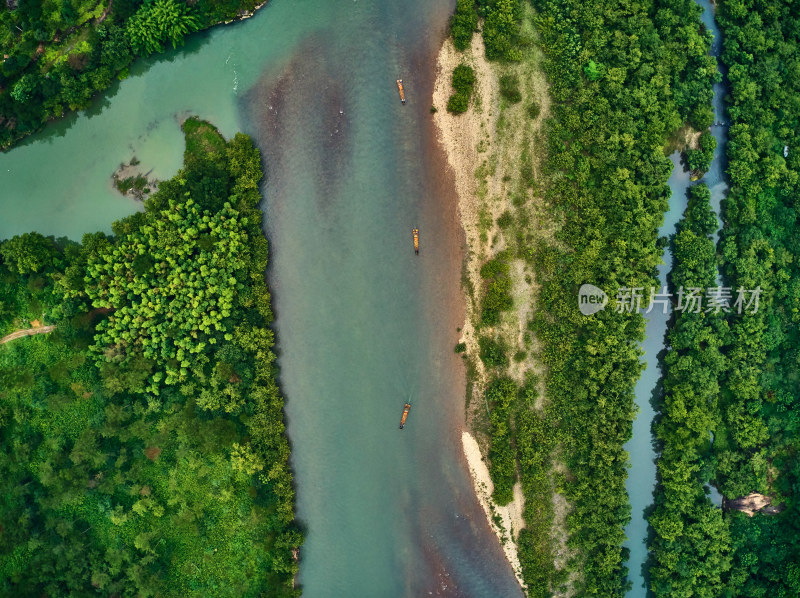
(415, 233)
(402, 92)
(406, 409)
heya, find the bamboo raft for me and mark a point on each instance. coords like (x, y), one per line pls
(406, 409)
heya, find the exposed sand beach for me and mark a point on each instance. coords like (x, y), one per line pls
(510, 515)
(460, 137)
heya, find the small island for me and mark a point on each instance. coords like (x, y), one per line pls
(128, 179)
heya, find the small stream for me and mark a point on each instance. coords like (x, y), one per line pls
(641, 480)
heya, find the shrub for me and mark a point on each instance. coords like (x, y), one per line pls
(496, 266)
(463, 78)
(505, 220)
(458, 103)
(463, 81)
(509, 88)
(534, 110)
(463, 23)
(492, 352)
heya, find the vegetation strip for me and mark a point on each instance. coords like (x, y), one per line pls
(601, 186)
(691, 547)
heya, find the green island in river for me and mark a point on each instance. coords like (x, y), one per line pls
(429, 260)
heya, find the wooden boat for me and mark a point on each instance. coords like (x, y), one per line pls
(406, 409)
(415, 232)
(402, 92)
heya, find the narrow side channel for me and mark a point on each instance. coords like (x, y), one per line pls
(642, 476)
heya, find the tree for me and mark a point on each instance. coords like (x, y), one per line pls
(29, 252)
(159, 22)
(24, 89)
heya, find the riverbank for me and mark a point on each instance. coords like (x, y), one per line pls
(488, 149)
(506, 521)
(460, 137)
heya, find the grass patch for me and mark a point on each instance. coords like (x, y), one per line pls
(509, 88)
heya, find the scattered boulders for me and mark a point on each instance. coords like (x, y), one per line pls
(129, 180)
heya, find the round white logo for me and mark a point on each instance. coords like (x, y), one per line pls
(591, 299)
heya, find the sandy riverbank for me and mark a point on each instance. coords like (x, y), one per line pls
(510, 515)
(462, 138)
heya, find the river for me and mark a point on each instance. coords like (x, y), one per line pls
(363, 324)
(641, 480)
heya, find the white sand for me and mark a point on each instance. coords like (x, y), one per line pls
(510, 514)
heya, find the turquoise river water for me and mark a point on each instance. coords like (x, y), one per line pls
(362, 323)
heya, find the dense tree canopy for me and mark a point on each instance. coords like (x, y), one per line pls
(621, 82)
(691, 546)
(759, 433)
(61, 53)
(147, 430)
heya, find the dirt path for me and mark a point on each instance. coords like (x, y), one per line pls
(105, 13)
(26, 332)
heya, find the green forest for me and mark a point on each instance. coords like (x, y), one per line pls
(622, 82)
(58, 54)
(625, 80)
(759, 435)
(147, 427)
(691, 549)
(733, 375)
